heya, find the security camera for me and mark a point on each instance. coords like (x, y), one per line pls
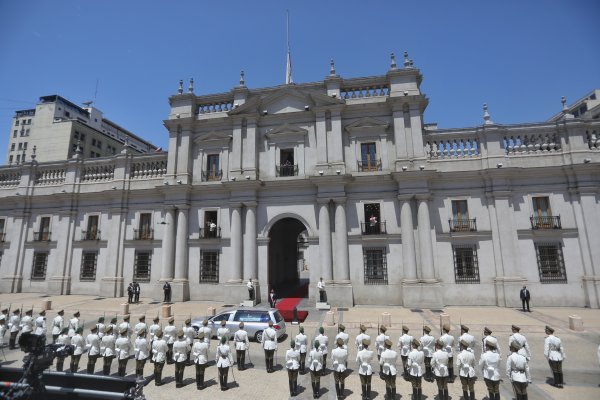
(499, 165)
(247, 177)
(177, 116)
(338, 172)
(113, 187)
(320, 172)
(306, 108)
(421, 167)
(233, 178)
(404, 168)
(165, 183)
(405, 93)
(179, 181)
(265, 112)
(587, 160)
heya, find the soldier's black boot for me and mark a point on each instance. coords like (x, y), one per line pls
(561, 378)
(318, 389)
(419, 393)
(451, 374)
(441, 395)
(472, 395)
(342, 387)
(59, 364)
(466, 395)
(446, 394)
(314, 389)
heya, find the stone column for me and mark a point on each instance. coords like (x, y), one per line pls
(236, 243)
(425, 246)
(181, 250)
(168, 245)
(342, 269)
(250, 260)
(325, 240)
(408, 238)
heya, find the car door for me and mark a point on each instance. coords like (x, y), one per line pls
(216, 321)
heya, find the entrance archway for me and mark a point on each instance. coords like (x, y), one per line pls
(286, 258)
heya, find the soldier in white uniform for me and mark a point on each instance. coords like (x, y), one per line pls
(250, 288)
(108, 349)
(190, 333)
(14, 325)
(339, 361)
(517, 370)
(4, 315)
(224, 360)
(269, 345)
(302, 346)
(439, 364)
(380, 341)
(555, 354)
(490, 367)
(342, 335)
(170, 334)
(57, 325)
(126, 325)
(223, 330)
(387, 362)
(200, 359)
(322, 294)
(466, 337)
(27, 322)
(180, 352)
(416, 369)
(2, 331)
(40, 324)
(241, 345)
(521, 340)
(62, 339)
(122, 350)
(428, 347)
(487, 333)
(364, 358)
(152, 330)
(324, 341)
(448, 341)
(292, 364)
(101, 327)
(79, 344)
(74, 324)
(115, 327)
(207, 330)
(159, 355)
(92, 345)
(315, 365)
(141, 350)
(360, 337)
(404, 344)
(140, 325)
(465, 362)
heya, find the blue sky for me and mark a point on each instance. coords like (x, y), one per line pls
(518, 56)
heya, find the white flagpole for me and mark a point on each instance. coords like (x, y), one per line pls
(288, 69)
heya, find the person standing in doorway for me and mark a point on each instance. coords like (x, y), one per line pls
(525, 297)
(167, 291)
(272, 298)
(322, 293)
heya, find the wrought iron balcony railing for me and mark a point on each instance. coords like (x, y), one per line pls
(212, 175)
(287, 170)
(369, 165)
(90, 235)
(43, 236)
(143, 234)
(462, 225)
(208, 233)
(545, 222)
(377, 228)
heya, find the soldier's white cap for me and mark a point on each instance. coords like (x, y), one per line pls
(464, 343)
(446, 327)
(158, 333)
(171, 319)
(516, 346)
(487, 330)
(366, 342)
(339, 342)
(180, 333)
(388, 343)
(123, 330)
(415, 342)
(200, 335)
(223, 323)
(426, 329)
(491, 342)
(405, 328)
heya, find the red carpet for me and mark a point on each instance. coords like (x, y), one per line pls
(286, 305)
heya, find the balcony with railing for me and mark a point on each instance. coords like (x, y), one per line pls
(373, 228)
(143, 234)
(369, 165)
(212, 175)
(545, 222)
(210, 233)
(462, 225)
(90, 235)
(287, 169)
(43, 236)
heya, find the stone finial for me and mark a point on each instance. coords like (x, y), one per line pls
(191, 87)
(563, 100)
(393, 65)
(486, 115)
(242, 79)
(332, 68)
(180, 90)
(407, 63)
(126, 143)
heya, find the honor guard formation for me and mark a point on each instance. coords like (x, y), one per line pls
(420, 357)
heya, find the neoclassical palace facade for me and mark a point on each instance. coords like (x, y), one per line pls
(339, 179)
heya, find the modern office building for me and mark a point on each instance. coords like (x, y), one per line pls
(58, 126)
(340, 177)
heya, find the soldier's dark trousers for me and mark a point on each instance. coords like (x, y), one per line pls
(170, 353)
(365, 383)
(339, 378)
(404, 365)
(158, 367)
(122, 366)
(223, 372)
(75, 362)
(91, 364)
(520, 389)
(54, 337)
(468, 385)
(107, 364)
(241, 359)
(324, 363)
(179, 370)
(302, 362)
(493, 388)
(139, 368)
(200, 375)
(315, 379)
(416, 388)
(451, 369)
(442, 384)
(60, 361)
(12, 340)
(269, 359)
(428, 373)
(293, 381)
(556, 367)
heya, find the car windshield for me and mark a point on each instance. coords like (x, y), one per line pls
(222, 317)
(251, 316)
(278, 317)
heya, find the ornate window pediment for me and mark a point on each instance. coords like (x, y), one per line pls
(368, 126)
(286, 133)
(213, 139)
(285, 100)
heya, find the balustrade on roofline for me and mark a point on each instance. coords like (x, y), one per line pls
(531, 143)
(50, 176)
(148, 169)
(439, 147)
(10, 178)
(365, 91)
(215, 106)
(98, 173)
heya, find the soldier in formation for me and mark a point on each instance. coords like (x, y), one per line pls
(323, 344)
(152, 331)
(292, 364)
(200, 359)
(122, 350)
(380, 341)
(517, 370)
(14, 325)
(159, 355)
(517, 337)
(27, 322)
(465, 336)
(74, 324)
(342, 335)
(428, 347)
(141, 350)
(364, 357)
(339, 360)
(555, 354)
(223, 331)
(241, 345)
(416, 368)
(361, 337)
(465, 362)
(387, 366)
(190, 333)
(315, 365)
(302, 346)
(207, 330)
(448, 341)
(439, 364)
(79, 348)
(92, 345)
(404, 344)
(490, 367)
(57, 325)
(101, 327)
(269, 345)
(108, 349)
(40, 324)
(224, 360)
(180, 352)
(140, 325)
(62, 339)
(170, 333)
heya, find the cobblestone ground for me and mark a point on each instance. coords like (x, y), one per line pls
(581, 369)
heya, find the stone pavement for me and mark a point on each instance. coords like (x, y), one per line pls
(582, 372)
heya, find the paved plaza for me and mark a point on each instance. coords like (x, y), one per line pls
(581, 369)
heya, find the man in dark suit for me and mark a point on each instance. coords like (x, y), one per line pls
(525, 296)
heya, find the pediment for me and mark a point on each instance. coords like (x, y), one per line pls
(214, 136)
(286, 131)
(368, 125)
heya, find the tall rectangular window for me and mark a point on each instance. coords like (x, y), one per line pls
(44, 231)
(2, 227)
(460, 221)
(141, 271)
(211, 226)
(286, 162)
(209, 266)
(551, 264)
(466, 265)
(88, 266)
(375, 266)
(368, 156)
(40, 262)
(541, 206)
(542, 217)
(213, 173)
(92, 232)
(372, 224)
(145, 231)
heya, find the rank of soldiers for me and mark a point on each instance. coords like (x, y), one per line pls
(421, 358)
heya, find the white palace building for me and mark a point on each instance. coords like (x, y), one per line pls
(340, 178)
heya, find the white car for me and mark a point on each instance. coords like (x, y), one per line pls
(255, 321)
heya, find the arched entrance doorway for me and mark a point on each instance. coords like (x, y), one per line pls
(287, 245)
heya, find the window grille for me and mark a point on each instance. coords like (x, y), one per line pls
(88, 266)
(466, 265)
(375, 264)
(40, 262)
(141, 271)
(551, 264)
(209, 266)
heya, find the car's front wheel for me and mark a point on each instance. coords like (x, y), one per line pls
(258, 336)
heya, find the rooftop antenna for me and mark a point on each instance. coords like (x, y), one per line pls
(96, 90)
(288, 68)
